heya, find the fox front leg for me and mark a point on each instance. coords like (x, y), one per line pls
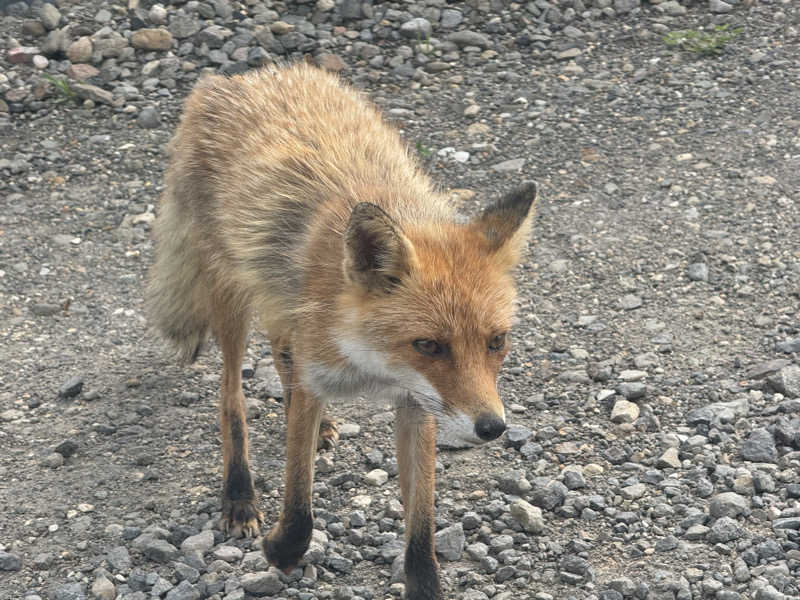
(416, 460)
(289, 539)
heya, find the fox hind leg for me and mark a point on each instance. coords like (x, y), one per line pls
(240, 514)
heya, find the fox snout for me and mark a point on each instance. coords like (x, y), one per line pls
(489, 427)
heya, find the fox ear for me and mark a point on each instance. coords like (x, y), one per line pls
(377, 254)
(506, 224)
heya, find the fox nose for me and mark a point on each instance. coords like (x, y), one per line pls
(489, 427)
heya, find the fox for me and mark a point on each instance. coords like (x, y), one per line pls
(291, 202)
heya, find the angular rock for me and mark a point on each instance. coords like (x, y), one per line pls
(103, 589)
(80, 51)
(159, 550)
(697, 271)
(624, 412)
(183, 26)
(418, 29)
(759, 447)
(528, 516)
(514, 164)
(633, 390)
(549, 496)
(9, 562)
(450, 542)
(184, 591)
(516, 436)
(376, 477)
(214, 36)
(788, 346)
(200, 543)
(728, 504)
(92, 92)
(786, 381)
(229, 554)
(22, 55)
(724, 529)
(72, 387)
(262, 583)
(669, 459)
(119, 559)
(68, 591)
(718, 6)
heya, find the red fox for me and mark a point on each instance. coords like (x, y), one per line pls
(288, 198)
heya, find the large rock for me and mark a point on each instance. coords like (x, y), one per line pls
(450, 542)
(152, 39)
(80, 51)
(728, 504)
(528, 516)
(468, 38)
(759, 447)
(262, 583)
(786, 381)
(624, 412)
(724, 412)
(183, 26)
(103, 589)
(418, 28)
(9, 562)
(724, 530)
(200, 543)
(92, 92)
(50, 16)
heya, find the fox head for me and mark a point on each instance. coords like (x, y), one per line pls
(429, 308)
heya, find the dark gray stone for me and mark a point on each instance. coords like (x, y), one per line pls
(724, 530)
(469, 38)
(549, 496)
(450, 542)
(759, 447)
(71, 388)
(67, 448)
(148, 118)
(69, 591)
(728, 504)
(184, 591)
(9, 562)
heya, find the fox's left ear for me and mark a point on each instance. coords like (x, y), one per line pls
(507, 224)
(377, 254)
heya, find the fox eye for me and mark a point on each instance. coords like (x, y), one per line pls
(428, 347)
(498, 342)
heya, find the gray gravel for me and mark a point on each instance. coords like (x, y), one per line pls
(654, 381)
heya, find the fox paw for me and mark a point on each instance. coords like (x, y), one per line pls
(285, 546)
(328, 434)
(241, 518)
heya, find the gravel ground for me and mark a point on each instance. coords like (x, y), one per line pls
(654, 383)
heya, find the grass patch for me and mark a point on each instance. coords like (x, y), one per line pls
(61, 86)
(706, 43)
(423, 150)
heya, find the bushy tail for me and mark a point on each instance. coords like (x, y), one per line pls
(177, 291)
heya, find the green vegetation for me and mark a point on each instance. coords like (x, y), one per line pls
(702, 42)
(61, 86)
(423, 150)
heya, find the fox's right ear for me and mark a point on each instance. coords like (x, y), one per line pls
(506, 224)
(376, 252)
